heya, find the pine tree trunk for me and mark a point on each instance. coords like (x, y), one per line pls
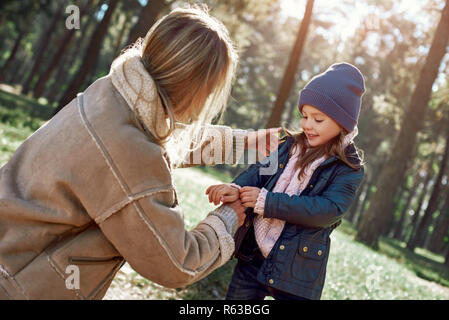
(369, 192)
(90, 58)
(363, 207)
(13, 53)
(422, 230)
(292, 66)
(43, 43)
(415, 220)
(62, 77)
(441, 228)
(148, 16)
(64, 43)
(446, 259)
(120, 38)
(356, 203)
(390, 227)
(400, 225)
(380, 209)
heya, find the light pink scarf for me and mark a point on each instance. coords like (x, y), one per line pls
(268, 230)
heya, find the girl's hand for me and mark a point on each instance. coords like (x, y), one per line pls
(222, 193)
(248, 196)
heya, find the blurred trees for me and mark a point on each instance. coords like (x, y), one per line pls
(91, 55)
(376, 218)
(405, 110)
(290, 70)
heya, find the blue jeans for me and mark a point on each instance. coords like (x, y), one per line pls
(245, 286)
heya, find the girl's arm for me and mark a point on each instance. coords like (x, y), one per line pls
(319, 211)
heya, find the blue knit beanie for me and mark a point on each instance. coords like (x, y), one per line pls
(337, 92)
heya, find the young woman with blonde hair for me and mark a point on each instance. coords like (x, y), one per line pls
(93, 187)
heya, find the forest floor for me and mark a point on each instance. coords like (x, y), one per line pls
(354, 271)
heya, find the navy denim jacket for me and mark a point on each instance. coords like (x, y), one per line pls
(297, 262)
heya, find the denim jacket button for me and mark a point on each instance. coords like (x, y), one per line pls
(271, 281)
(282, 247)
(305, 249)
(281, 165)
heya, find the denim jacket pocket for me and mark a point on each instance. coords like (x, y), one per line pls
(309, 260)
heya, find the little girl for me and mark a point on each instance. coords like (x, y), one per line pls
(283, 246)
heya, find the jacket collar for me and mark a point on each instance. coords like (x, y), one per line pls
(351, 154)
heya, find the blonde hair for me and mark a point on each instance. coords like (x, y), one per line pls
(192, 60)
(333, 147)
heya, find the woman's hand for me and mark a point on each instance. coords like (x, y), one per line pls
(222, 193)
(239, 209)
(248, 196)
(264, 141)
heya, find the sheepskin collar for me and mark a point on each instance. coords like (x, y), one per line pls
(135, 84)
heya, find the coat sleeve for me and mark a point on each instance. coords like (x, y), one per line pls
(150, 234)
(221, 145)
(318, 211)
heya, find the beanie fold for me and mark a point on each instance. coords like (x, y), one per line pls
(328, 106)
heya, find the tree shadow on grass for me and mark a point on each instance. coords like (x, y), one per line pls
(422, 265)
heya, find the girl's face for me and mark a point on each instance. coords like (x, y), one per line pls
(318, 127)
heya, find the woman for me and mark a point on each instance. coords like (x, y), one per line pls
(93, 188)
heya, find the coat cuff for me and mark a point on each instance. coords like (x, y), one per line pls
(228, 217)
(225, 240)
(235, 186)
(260, 203)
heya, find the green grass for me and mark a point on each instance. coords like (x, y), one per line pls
(354, 271)
(10, 139)
(29, 108)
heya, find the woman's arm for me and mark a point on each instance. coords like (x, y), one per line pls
(150, 234)
(223, 145)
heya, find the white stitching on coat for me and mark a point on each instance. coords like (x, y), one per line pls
(103, 151)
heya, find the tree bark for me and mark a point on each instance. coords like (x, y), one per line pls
(148, 16)
(400, 224)
(64, 43)
(368, 193)
(371, 226)
(13, 53)
(446, 259)
(292, 66)
(120, 38)
(390, 226)
(441, 228)
(422, 230)
(356, 204)
(90, 58)
(62, 77)
(415, 219)
(43, 43)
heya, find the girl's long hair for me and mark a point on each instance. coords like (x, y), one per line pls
(334, 147)
(192, 60)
